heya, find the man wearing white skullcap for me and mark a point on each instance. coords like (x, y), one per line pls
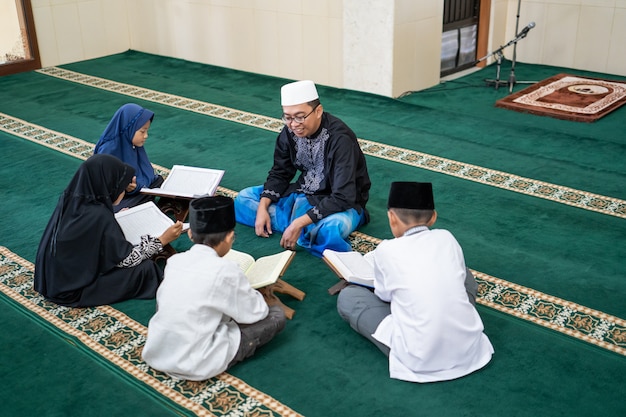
(326, 202)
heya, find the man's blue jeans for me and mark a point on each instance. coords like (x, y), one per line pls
(329, 233)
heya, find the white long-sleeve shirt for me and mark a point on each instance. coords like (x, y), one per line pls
(193, 334)
(434, 332)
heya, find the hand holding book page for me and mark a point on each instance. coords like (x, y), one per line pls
(188, 182)
(144, 219)
(351, 266)
(265, 270)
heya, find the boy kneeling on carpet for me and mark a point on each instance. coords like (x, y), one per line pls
(420, 313)
(208, 316)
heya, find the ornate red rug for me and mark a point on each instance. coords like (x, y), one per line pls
(569, 97)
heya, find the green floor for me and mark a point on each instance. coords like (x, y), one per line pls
(318, 366)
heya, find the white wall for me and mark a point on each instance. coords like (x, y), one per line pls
(287, 38)
(367, 55)
(385, 47)
(10, 33)
(416, 45)
(75, 30)
(579, 34)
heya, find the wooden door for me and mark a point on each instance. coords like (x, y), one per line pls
(18, 43)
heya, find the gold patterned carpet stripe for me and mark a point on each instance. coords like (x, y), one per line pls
(119, 339)
(557, 193)
(569, 318)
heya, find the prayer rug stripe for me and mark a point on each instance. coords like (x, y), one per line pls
(500, 179)
(119, 339)
(563, 316)
(568, 97)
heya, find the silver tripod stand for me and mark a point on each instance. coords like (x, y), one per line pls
(497, 82)
(512, 81)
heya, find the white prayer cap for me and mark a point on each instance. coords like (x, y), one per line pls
(298, 93)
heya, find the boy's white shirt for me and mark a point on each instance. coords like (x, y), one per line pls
(434, 332)
(193, 334)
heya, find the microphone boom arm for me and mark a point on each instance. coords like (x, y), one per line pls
(500, 54)
(498, 51)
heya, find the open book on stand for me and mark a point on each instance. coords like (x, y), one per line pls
(188, 182)
(144, 219)
(350, 266)
(264, 271)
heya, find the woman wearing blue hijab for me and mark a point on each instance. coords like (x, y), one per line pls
(124, 138)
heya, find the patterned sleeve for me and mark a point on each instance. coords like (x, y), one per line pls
(146, 249)
(283, 170)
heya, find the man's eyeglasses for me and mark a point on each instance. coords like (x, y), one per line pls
(298, 119)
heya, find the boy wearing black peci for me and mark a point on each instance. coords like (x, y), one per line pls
(208, 316)
(421, 313)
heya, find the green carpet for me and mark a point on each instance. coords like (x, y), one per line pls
(318, 366)
(51, 376)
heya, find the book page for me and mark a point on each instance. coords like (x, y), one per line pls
(163, 193)
(244, 260)
(266, 270)
(192, 181)
(144, 219)
(352, 266)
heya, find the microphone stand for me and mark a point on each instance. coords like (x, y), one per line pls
(499, 55)
(512, 80)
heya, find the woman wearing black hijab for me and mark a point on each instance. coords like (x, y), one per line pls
(84, 259)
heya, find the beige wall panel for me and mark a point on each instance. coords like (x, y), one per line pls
(382, 47)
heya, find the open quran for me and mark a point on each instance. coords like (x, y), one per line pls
(350, 266)
(144, 219)
(188, 182)
(264, 271)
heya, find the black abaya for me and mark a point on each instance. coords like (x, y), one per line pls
(82, 245)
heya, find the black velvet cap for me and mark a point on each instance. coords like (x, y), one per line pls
(411, 195)
(212, 214)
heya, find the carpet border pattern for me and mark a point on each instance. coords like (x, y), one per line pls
(560, 194)
(119, 339)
